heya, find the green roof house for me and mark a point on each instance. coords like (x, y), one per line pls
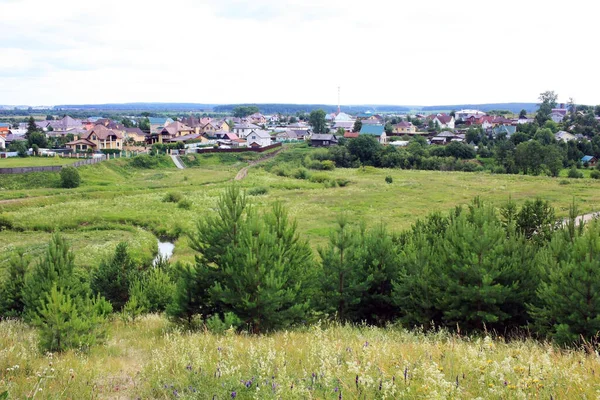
(374, 130)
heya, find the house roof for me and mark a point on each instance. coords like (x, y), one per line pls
(564, 136)
(175, 127)
(375, 130)
(184, 138)
(102, 133)
(343, 117)
(446, 134)
(246, 126)
(65, 123)
(351, 135)
(404, 124)
(135, 131)
(159, 121)
(81, 141)
(324, 136)
(261, 134)
(344, 124)
(231, 136)
(587, 158)
(445, 119)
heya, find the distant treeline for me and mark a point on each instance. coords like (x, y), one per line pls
(515, 108)
(137, 107)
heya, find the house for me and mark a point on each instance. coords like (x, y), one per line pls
(444, 137)
(4, 127)
(65, 124)
(98, 138)
(343, 117)
(301, 134)
(286, 136)
(557, 116)
(258, 138)
(400, 143)
(508, 130)
(374, 130)
(135, 134)
(2, 142)
(171, 131)
(564, 136)
(257, 118)
(590, 160)
(186, 138)
(242, 130)
(348, 126)
(156, 124)
(404, 128)
(444, 121)
(323, 140)
(463, 115)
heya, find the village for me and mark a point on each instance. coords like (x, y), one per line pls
(191, 134)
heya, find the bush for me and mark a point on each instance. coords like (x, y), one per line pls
(328, 165)
(319, 178)
(389, 179)
(184, 204)
(5, 223)
(172, 197)
(594, 175)
(69, 177)
(573, 173)
(217, 325)
(301, 173)
(257, 191)
(499, 170)
(342, 182)
(314, 164)
(564, 182)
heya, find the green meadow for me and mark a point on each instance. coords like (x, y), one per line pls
(14, 162)
(118, 202)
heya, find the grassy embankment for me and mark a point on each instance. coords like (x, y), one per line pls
(152, 359)
(117, 202)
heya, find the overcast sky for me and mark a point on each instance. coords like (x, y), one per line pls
(426, 52)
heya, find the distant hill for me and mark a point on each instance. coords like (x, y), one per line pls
(275, 108)
(138, 106)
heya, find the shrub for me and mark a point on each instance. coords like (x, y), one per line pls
(158, 290)
(342, 182)
(573, 173)
(184, 204)
(389, 179)
(564, 182)
(314, 164)
(69, 177)
(217, 325)
(301, 173)
(5, 223)
(499, 170)
(319, 178)
(328, 165)
(113, 277)
(257, 191)
(595, 174)
(172, 197)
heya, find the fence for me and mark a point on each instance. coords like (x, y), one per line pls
(54, 168)
(240, 149)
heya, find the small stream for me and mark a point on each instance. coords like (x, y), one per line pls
(165, 250)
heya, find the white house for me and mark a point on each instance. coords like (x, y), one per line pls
(258, 138)
(464, 114)
(243, 130)
(2, 142)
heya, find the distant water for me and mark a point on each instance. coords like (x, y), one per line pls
(165, 250)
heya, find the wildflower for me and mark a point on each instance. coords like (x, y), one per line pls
(175, 393)
(356, 381)
(233, 395)
(366, 344)
(336, 389)
(189, 367)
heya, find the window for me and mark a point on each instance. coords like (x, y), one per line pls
(253, 137)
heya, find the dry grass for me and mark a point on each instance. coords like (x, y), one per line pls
(151, 359)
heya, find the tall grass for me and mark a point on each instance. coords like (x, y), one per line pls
(152, 359)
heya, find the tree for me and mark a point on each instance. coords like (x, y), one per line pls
(56, 268)
(460, 150)
(20, 146)
(569, 309)
(341, 280)
(69, 177)
(389, 129)
(536, 220)
(293, 120)
(548, 102)
(49, 118)
(127, 123)
(260, 269)
(317, 121)
(144, 124)
(244, 111)
(37, 138)
(357, 126)
(113, 277)
(523, 114)
(365, 148)
(11, 296)
(31, 127)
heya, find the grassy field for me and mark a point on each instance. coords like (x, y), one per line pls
(13, 162)
(152, 359)
(116, 198)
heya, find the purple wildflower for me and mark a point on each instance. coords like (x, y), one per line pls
(233, 395)
(189, 367)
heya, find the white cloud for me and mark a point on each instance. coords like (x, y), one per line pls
(226, 51)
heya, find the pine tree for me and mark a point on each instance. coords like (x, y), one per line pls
(341, 281)
(113, 277)
(379, 268)
(56, 268)
(261, 278)
(11, 288)
(569, 309)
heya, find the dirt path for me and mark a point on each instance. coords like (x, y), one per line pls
(242, 173)
(583, 218)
